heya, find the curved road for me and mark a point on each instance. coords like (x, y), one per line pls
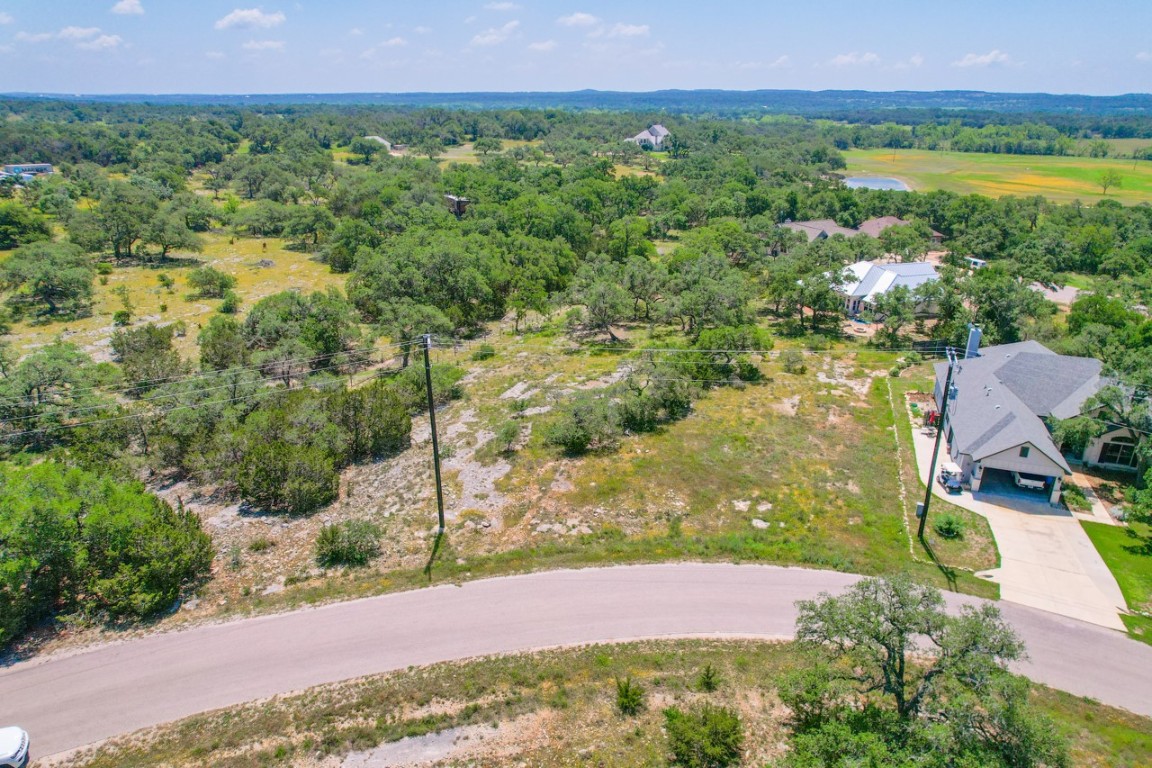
(69, 701)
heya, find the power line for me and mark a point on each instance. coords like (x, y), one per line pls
(175, 378)
(184, 393)
(263, 391)
(191, 377)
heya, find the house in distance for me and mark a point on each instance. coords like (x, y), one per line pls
(652, 137)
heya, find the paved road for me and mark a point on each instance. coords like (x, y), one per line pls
(73, 700)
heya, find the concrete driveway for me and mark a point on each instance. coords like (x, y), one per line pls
(1047, 560)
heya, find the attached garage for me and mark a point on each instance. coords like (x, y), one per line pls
(995, 421)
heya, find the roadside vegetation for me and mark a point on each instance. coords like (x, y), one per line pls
(631, 360)
(850, 689)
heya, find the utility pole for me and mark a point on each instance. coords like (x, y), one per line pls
(432, 422)
(922, 510)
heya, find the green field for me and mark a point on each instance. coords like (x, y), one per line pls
(1126, 551)
(1058, 178)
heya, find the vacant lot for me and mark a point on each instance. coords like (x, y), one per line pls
(546, 709)
(800, 469)
(1058, 178)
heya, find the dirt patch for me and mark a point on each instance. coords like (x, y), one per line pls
(789, 406)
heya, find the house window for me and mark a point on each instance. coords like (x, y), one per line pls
(1024, 451)
(1119, 451)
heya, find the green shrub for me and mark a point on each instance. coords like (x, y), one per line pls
(949, 526)
(295, 479)
(629, 697)
(484, 352)
(74, 540)
(793, 361)
(231, 303)
(586, 423)
(1075, 499)
(709, 680)
(261, 544)
(354, 543)
(121, 317)
(507, 435)
(411, 388)
(817, 343)
(104, 268)
(710, 737)
(210, 283)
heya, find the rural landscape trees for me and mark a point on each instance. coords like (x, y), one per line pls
(229, 305)
(893, 679)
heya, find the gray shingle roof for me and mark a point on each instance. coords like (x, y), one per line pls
(1003, 396)
(818, 227)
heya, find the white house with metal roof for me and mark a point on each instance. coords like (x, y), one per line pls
(865, 281)
(995, 421)
(653, 136)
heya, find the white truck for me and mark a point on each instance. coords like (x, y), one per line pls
(1029, 482)
(14, 746)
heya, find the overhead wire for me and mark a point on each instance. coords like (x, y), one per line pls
(182, 393)
(263, 391)
(190, 377)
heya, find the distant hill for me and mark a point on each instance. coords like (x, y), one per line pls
(806, 103)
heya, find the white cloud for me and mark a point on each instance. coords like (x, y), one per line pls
(991, 58)
(263, 45)
(578, 19)
(422, 30)
(543, 46)
(783, 62)
(355, 31)
(496, 35)
(85, 38)
(5, 18)
(78, 33)
(251, 18)
(629, 30)
(102, 43)
(128, 8)
(917, 60)
(394, 42)
(1144, 56)
(855, 59)
(215, 55)
(501, 7)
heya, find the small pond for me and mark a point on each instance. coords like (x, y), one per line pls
(876, 182)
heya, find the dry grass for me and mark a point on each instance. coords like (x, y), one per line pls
(236, 256)
(544, 709)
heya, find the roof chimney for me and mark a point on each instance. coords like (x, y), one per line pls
(973, 347)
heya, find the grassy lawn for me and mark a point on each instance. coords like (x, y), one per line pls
(1057, 178)
(544, 709)
(1129, 556)
(975, 550)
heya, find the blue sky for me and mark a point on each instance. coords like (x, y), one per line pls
(215, 46)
